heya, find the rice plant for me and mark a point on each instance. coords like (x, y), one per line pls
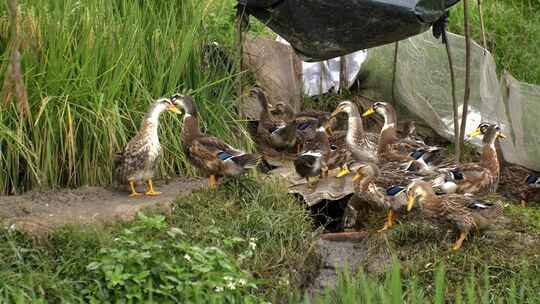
(92, 68)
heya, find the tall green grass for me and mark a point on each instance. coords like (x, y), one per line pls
(93, 67)
(512, 29)
(361, 288)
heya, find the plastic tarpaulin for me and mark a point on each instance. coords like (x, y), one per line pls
(324, 29)
(423, 88)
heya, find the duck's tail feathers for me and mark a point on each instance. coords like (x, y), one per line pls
(247, 161)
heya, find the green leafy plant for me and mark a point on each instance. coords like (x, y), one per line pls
(166, 268)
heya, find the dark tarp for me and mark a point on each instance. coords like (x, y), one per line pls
(324, 29)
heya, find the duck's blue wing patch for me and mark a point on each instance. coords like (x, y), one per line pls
(416, 154)
(531, 179)
(224, 156)
(394, 190)
(303, 126)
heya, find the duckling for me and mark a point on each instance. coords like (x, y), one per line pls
(211, 155)
(277, 134)
(137, 161)
(390, 147)
(362, 145)
(464, 212)
(313, 160)
(392, 199)
(475, 177)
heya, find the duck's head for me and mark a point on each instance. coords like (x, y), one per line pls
(282, 108)
(417, 191)
(381, 108)
(366, 171)
(489, 131)
(346, 106)
(164, 104)
(185, 102)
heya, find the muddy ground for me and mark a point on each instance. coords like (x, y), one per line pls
(41, 211)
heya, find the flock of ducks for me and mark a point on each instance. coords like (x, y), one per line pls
(391, 173)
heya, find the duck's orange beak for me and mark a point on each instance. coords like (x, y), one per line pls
(474, 133)
(356, 177)
(410, 202)
(336, 112)
(174, 109)
(368, 112)
(500, 135)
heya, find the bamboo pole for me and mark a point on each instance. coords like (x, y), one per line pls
(14, 79)
(467, 93)
(240, 46)
(482, 26)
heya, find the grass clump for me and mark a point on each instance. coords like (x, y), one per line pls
(361, 288)
(215, 247)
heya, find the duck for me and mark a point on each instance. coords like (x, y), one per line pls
(475, 177)
(392, 199)
(389, 146)
(532, 191)
(274, 133)
(137, 161)
(464, 212)
(362, 145)
(314, 158)
(211, 155)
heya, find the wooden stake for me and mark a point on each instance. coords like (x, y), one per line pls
(454, 99)
(343, 83)
(394, 73)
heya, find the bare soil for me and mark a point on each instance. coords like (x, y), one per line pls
(40, 211)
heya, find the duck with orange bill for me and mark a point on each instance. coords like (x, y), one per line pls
(210, 154)
(392, 199)
(361, 145)
(475, 177)
(137, 161)
(464, 212)
(389, 146)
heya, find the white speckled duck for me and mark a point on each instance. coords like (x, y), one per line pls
(210, 154)
(137, 162)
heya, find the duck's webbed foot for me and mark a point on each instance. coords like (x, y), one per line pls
(389, 221)
(459, 242)
(213, 181)
(133, 190)
(150, 189)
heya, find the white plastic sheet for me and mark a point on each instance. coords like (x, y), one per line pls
(322, 77)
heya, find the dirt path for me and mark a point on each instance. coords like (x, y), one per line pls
(41, 211)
